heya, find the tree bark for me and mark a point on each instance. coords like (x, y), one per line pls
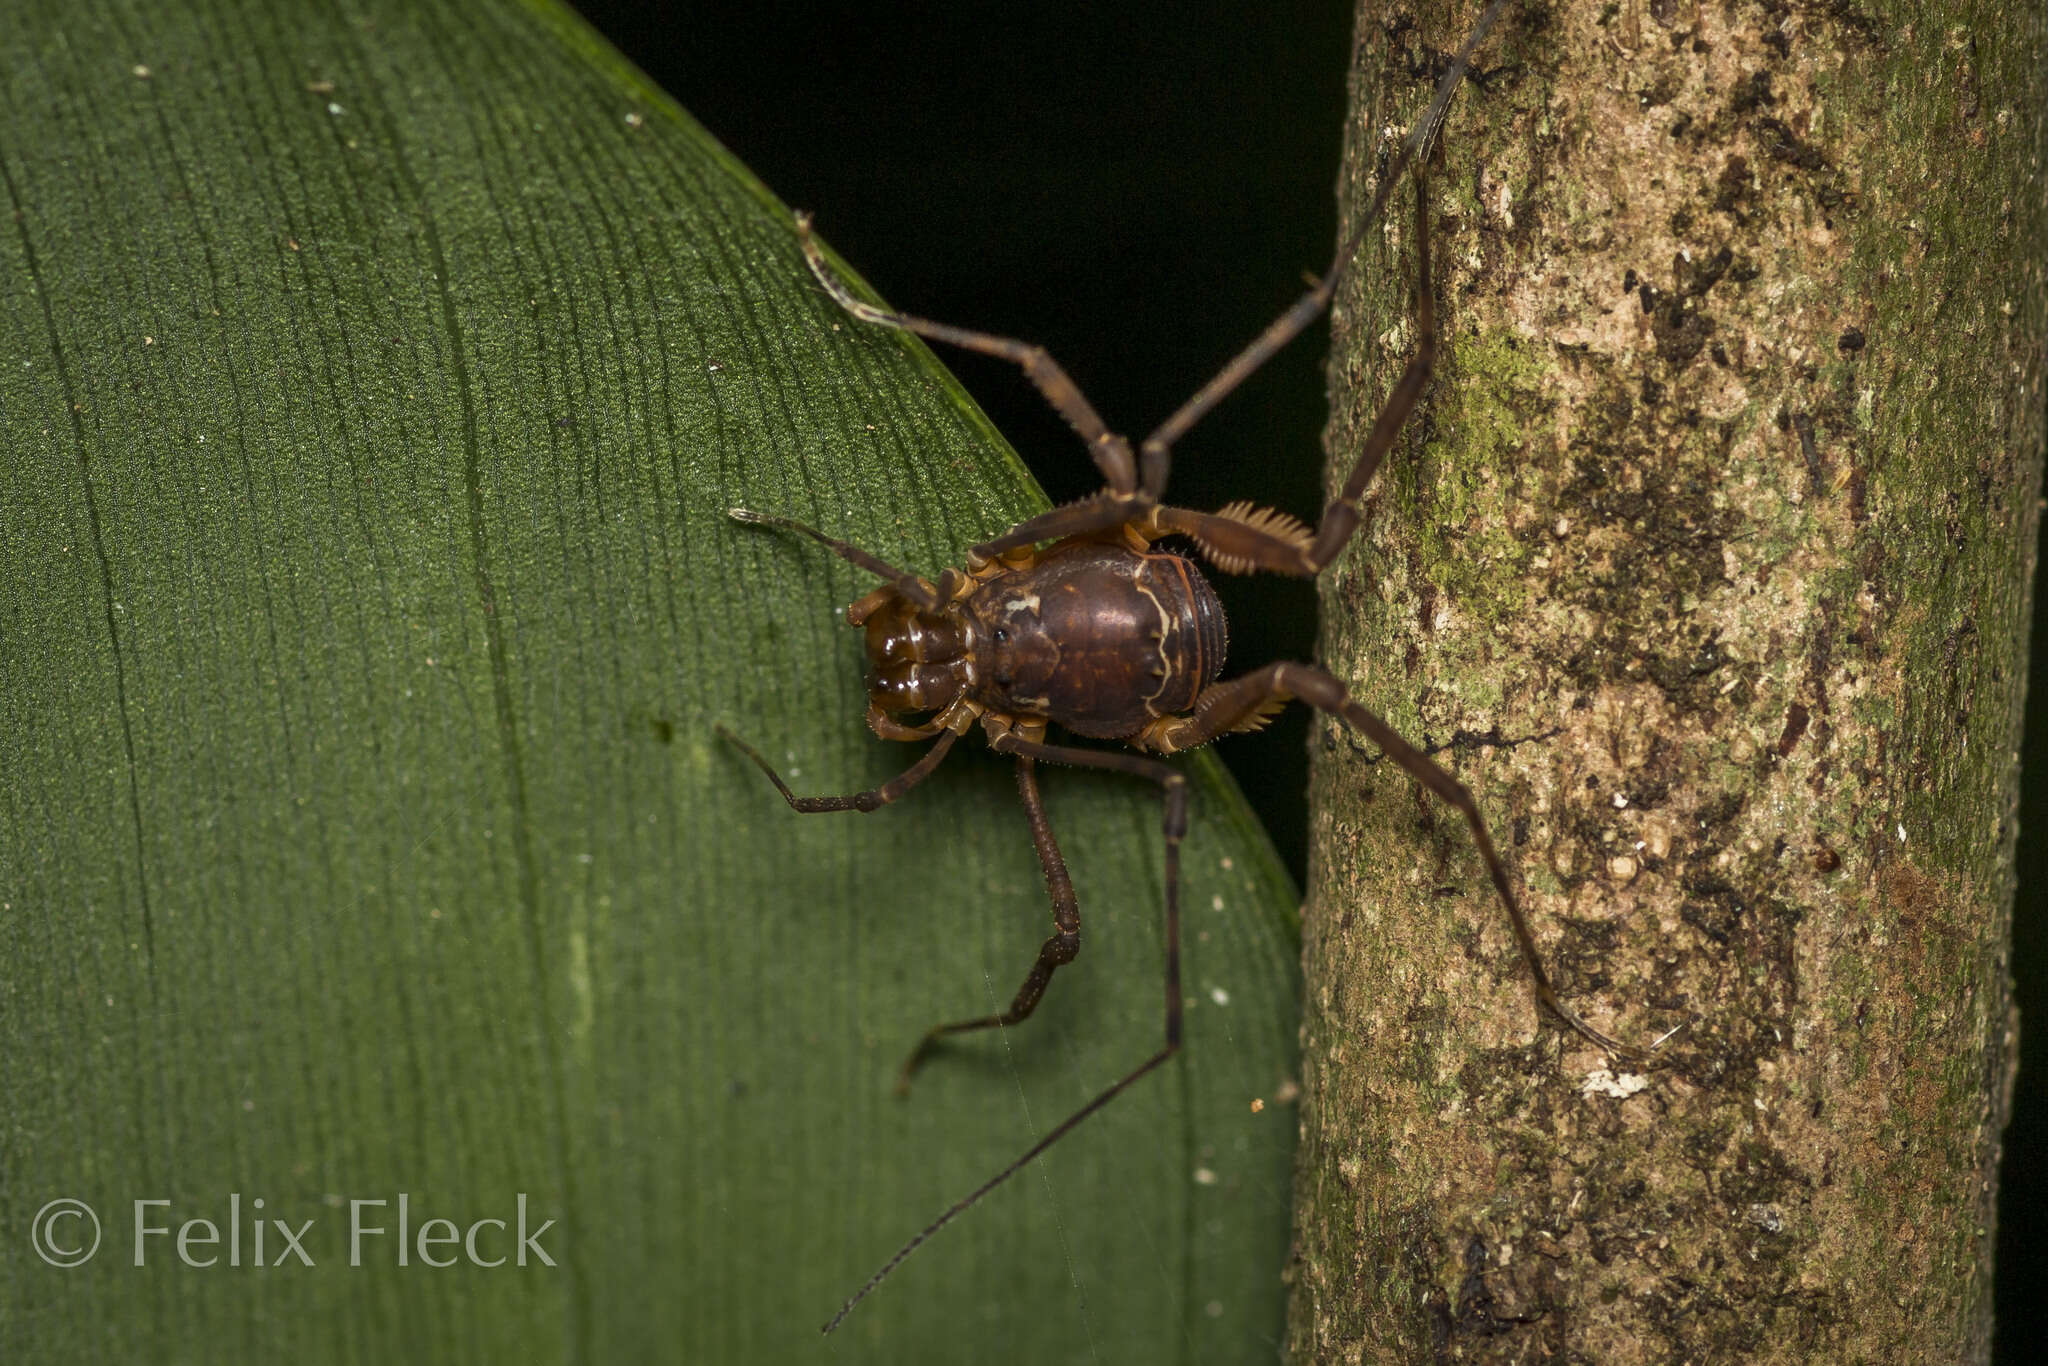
(1707, 564)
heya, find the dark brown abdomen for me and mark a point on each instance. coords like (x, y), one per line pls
(1099, 638)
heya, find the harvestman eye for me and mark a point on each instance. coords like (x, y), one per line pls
(1089, 570)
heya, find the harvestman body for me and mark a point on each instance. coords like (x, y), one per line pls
(1074, 618)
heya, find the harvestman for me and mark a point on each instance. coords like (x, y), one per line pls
(1073, 617)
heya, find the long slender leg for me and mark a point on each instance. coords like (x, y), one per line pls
(917, 589)
(1155, 452)
(1340, 517)
(1136, 485)
(1239, 702)
(1174, 791)
(872, 799)
(1055, 953)
(1240, 538)
(1112, 453)
(1097, 513)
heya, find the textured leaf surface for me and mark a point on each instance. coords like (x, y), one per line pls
(372, 385)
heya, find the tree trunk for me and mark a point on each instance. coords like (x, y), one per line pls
(1706, 563)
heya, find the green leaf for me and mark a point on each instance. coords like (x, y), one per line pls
(373, 384)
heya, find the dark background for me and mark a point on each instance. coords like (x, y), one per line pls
(1139, 191)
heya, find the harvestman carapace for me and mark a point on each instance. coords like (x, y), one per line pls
(1074, 618)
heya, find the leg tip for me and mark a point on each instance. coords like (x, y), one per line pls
(909, 1068)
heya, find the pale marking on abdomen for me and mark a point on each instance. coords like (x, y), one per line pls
(1165, 630)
